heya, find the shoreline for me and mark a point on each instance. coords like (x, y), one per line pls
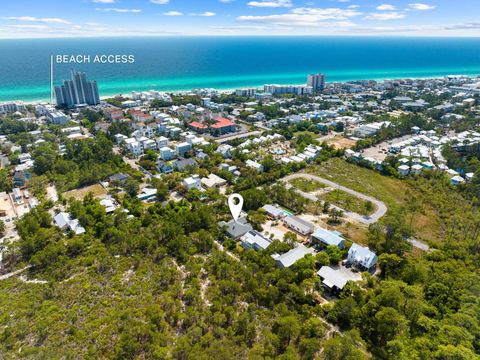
(127, 94)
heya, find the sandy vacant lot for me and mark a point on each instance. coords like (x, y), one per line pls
(78, 194)
(6, 205)
(341, 142)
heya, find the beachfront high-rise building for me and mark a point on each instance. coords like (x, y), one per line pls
(77, 91)
(316, 81)
(11, 107)
(276, 89)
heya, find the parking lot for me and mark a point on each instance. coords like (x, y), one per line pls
(380, 151)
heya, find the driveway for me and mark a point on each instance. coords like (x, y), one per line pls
(370, 219)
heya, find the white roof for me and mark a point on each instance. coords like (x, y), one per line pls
(457, 179)
(273, 210)
(62, 219)
(253, 164)
(328, 237)
(332, 277)
(362, 255)
(292, 256)
(256, 240)
(213, 180)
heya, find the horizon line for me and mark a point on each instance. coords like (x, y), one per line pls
(244, 35)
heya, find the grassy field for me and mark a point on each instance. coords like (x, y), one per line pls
(78, 194)
(348, 202)
(306, 185)
(393, 192)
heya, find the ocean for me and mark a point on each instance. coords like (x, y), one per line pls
(183, 63)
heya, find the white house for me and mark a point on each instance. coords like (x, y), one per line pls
(182, 148)
(64, 221)
(192, 182)
(254, 165)
(299, 225)
(162, 141)
(291, 257)
(166, 153)
(254, 240)
(361, 257)
(149, 144)
(332, 279)
(133, 146)
(225, 150)
(213, 181)
(416, 169)
(327, 238)
(403, 170)
(273, 211)
(457, 180)
(119, 138)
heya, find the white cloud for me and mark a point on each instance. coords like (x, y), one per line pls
(242, 27)
(271, 3)
(385, 16)
(25, 26)
(419, 6)
(172, 13)
(160, 2)
(386, 7)
(226, 1)
(117, 10)
(205, 14)
(419, 29)
(104, 1)
(35, 19)
(307, 17)
(353, 6)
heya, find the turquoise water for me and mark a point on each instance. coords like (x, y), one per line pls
(183, 63)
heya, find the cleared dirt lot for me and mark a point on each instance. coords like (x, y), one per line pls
(341, 142)
(78, 194)
(6, 206)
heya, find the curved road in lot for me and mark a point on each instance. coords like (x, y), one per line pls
(381, 207)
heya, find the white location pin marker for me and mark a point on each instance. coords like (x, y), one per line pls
(235, 203)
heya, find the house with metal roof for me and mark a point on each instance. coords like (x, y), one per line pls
(362, 257)
(213, 181)
(291, 257)
(255, 240)
(147, 194)
(299, 225)
(326, 238)
(183, 164)
(61, 220)
(273, 211)
(64, 221)
(120, 177)
(332, 279)
(236, 229)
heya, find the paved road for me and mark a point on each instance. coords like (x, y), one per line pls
(238, 136)
(381, 207)
(132, 162)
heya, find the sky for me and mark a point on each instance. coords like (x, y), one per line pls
(86, 18)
